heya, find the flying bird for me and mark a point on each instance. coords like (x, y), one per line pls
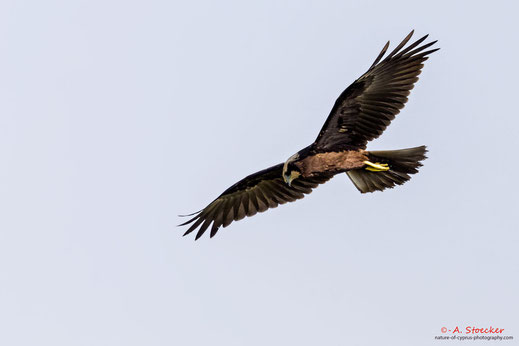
(360, 114)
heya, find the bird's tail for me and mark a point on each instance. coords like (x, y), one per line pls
(401, 163)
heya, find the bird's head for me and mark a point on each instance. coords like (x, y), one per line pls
(290, 170)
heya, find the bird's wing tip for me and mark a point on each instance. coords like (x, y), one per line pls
(186, 215)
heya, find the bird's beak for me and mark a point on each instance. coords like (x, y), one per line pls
(287, 179)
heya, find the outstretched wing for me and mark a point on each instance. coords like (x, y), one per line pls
(364, 110)
(255, 193)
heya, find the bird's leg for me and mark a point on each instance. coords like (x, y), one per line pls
(376, 167)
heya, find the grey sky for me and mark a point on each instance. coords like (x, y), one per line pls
(115, 116)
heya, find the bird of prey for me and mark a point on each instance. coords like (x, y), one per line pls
(360, 114)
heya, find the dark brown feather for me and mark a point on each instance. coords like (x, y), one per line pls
(401, 164)
(255, 193)
(364, 110)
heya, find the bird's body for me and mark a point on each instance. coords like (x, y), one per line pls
(332, 162)
(360, 114)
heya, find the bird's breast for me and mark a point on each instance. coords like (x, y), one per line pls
(331, 162)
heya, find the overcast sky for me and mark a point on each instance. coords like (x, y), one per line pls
(116, 116)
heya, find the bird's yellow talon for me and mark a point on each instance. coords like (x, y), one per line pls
(376, 167)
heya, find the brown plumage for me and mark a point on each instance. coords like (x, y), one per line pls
(332, 162)
(360, 114)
